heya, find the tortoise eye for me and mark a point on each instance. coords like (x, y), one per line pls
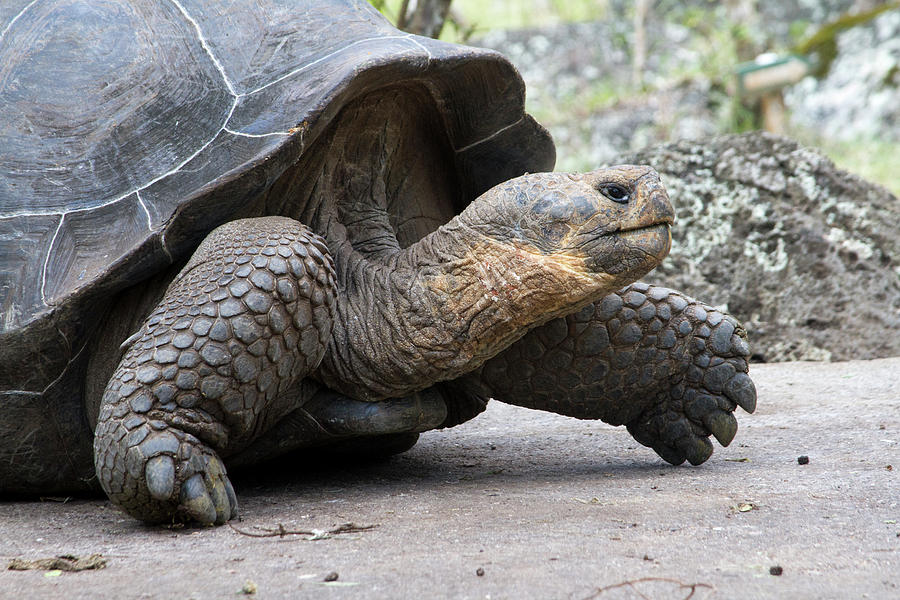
(614, 192)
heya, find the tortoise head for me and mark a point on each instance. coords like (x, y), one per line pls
(526, 251)
(612, 222)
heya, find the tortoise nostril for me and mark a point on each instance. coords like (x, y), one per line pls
(659, 200)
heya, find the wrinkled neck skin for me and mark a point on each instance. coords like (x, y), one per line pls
(446, 304)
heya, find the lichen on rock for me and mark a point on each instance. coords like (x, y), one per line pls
(806, 255)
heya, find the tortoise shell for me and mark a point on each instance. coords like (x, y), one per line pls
(128, 131)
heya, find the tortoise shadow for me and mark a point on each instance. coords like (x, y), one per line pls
(434, 466)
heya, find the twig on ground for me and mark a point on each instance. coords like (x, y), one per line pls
(314, 534)
(692, 587)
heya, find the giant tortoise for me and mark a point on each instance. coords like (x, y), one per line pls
(232, 230)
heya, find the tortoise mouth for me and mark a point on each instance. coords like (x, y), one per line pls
(634, 250)
(667, 225)
(665, 221)
(654, 239)
(627, 231)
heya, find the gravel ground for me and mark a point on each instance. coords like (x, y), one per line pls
(522, 504)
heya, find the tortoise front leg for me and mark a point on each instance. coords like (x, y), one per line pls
(250, 314)
(670, 368)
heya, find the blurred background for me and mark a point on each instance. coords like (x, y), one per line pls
(611, 76)
(772, 229)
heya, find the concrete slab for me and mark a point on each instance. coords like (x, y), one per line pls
(522, 504)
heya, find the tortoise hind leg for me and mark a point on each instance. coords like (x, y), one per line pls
(670, 368)
(249, 315)
(330, 422)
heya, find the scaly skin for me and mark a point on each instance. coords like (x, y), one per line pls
(250, 314)
(670, 368)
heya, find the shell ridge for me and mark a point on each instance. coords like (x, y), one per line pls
(144, 207)
(321, 59)
(413, 39)
(59, 225)
(254, 135)
(62, 372)
(205, 44)
(16, 18)
(175, 169)
(490, 137)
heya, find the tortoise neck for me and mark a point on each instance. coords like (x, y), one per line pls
(439, 309)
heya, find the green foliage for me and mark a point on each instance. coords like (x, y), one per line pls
(798, 29)
(872, 159)
(892, 77)
(823, 43)
(471, 17)
(517, 14)
(571, 11)
(389, 8)
(716, 41)
(875, 160)
(594, 96)
(738, 117)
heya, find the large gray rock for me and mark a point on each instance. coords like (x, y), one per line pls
(806, 255)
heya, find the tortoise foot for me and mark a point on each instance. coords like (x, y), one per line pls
(159, 474)
(703, 398)
(209, 370)
(205, 495)
(669, 367)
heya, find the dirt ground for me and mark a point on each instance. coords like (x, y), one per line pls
(522, 504)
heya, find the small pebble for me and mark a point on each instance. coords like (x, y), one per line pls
(776, 570)
(803, 460)
(249, 588)
(333, 576)
(479, 571)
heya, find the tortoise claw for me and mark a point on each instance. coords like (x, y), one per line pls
(160, 474)
(721, 424)
(693, 448)
(740, 389)
(217, 484)
(195, 501)
(208, 497)
(696, 449)
(668, 454)
(194, 489)
(232, 499)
